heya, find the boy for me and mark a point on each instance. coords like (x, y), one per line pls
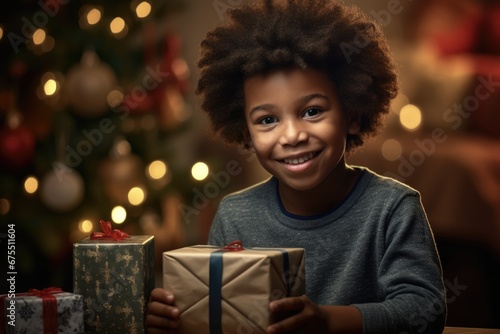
(302, 83)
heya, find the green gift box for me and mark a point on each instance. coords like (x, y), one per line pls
(115, 278)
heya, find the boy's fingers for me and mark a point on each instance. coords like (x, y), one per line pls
(163, 310)
(162, 296)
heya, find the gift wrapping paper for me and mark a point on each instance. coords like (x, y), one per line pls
(29, 314)
(225, 291)
(115, 278)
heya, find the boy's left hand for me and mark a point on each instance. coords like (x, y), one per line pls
(306, 317)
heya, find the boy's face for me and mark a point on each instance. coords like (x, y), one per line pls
(295, 126)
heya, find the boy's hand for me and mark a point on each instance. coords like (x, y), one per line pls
(306, 317)
(162, 316)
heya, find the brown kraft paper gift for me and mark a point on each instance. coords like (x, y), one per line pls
(228, 290)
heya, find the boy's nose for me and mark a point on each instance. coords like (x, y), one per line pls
(292, 134)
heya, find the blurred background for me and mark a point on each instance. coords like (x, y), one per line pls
(99, 120)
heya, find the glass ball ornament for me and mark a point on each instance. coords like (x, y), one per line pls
(120, 172)
(17, 143)
(62, 190)
(89, 84)
(17, 147)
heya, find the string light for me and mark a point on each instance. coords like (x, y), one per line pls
(143, 9)
(1, 33)
(410, 116)
(118, 214)
(39, 36)
(93, 16)
(31, 184)
(118, 27)
(200, 171)
(136, 196)
(85, 226)
(50, 87)
(157, 170)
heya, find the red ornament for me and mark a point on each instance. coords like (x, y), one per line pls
(17, 147)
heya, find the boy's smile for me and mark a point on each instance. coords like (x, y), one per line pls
(297, 129)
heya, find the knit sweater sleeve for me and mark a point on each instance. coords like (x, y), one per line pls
(413, 287)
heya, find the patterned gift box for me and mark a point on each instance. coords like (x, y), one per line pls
(115, 278)
(47, 311)
(228, 290)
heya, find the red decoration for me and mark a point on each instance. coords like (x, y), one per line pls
(234, 246)
(17, 147)
(108, 232)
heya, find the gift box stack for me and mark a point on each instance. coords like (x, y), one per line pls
(114, 272)
(228, 289)
(46, 311)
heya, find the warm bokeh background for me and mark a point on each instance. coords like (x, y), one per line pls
(99, 120)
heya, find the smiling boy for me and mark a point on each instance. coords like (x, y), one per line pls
(275, 79)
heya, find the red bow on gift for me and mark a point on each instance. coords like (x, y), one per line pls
(43, 293)
(108, 232)
(234, 246)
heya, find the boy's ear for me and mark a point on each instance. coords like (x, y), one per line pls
(354, 124)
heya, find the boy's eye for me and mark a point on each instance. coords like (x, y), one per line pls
(267, 120)
(311, 112)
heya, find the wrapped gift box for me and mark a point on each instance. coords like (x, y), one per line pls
(115, 278)
(227, 291)
(42, 312)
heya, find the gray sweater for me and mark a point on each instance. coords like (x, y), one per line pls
(374, 251)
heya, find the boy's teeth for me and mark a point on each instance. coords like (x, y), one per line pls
(299, 160)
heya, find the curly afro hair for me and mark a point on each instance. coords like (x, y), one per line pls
(325, 35)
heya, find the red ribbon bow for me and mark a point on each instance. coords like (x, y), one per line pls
(108, 232)
(234, 246)
(44, 293)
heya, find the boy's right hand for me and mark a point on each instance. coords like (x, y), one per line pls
(162, 316)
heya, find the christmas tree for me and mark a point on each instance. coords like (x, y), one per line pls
(91, 94)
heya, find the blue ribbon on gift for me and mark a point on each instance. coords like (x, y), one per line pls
(215, 294)
(215, 282)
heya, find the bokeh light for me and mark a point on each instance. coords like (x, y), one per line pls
(31, 184)
(115, 98)
(157, 170)
(410, 116)
(392, 149)
(93, 16)
(50, 87)
(143, 9)
(136, 196)
(118, 27)
(118, 214)
(86, 226)
(39, 36)
(200, 171)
